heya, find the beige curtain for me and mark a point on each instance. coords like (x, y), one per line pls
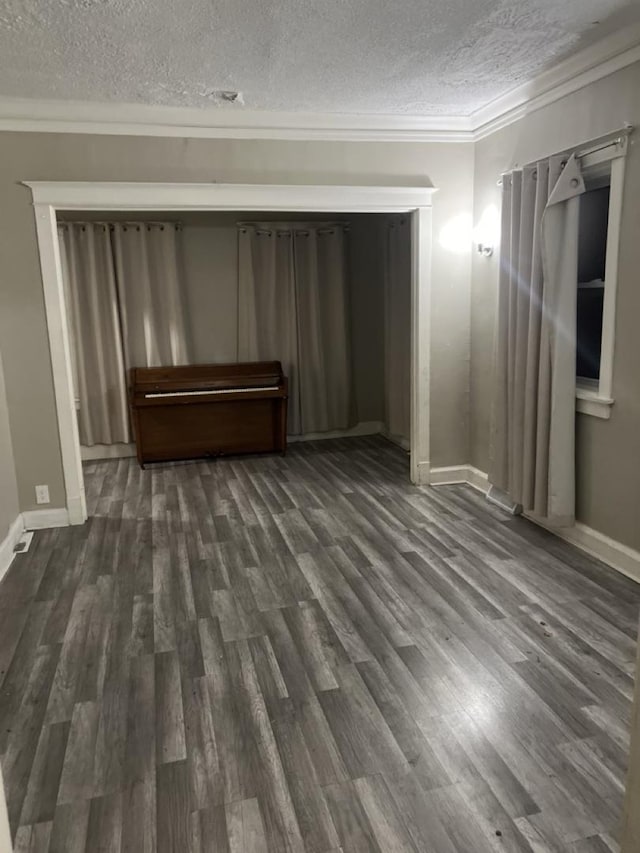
(124, 301)
(148, 273)
(293, 307)
(397, 343)
(97, 358)
(533, 429)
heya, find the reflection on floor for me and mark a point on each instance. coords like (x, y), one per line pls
(309, 654)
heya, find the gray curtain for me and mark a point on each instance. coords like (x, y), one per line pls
(397, 340)
(293, 307)
(124, 303)
(533, 429)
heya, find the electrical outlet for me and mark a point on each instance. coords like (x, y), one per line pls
(42, 494)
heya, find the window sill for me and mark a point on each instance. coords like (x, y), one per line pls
(589, 402)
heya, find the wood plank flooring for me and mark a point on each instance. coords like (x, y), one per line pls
(309, 654)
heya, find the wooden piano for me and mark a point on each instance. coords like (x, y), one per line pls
(208, 410)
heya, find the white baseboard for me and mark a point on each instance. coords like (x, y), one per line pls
(400, 440)
(8, 544)
(39, 519)
(364, 428)
(478, 479)
(449, 476)
(459, 474)
(76, 510)
(610, 551)
(620, 557)
(420, 473)
(106, 451)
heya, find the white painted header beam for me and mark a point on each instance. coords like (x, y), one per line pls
(114, 195)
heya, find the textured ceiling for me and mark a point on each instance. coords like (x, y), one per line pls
(421, 57)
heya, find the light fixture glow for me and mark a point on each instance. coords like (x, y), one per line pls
(455, 235)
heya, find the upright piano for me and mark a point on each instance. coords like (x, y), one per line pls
(205, 410)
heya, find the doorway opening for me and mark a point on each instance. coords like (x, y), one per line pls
(205, 206)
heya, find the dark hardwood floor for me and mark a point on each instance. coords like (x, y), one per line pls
(309, 654)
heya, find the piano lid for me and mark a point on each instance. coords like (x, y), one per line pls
(207, 378)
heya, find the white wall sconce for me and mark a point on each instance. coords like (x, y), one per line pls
(486, 234)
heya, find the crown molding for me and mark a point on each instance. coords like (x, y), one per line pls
(25, 114)
(601, 59)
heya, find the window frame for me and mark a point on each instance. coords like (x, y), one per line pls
(595, 397)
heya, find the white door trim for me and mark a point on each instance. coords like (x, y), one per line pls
(50, 196)
(50, 267)
(420, 343)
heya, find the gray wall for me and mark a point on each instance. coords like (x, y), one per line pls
(608, 452)
(64, 157)
(9, 508)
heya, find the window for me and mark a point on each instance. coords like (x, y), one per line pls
(592, 253)
(600, 215)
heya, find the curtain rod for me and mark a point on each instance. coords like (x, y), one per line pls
(600, 143)
(619, 140)
(113, 223)
(300, 223)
